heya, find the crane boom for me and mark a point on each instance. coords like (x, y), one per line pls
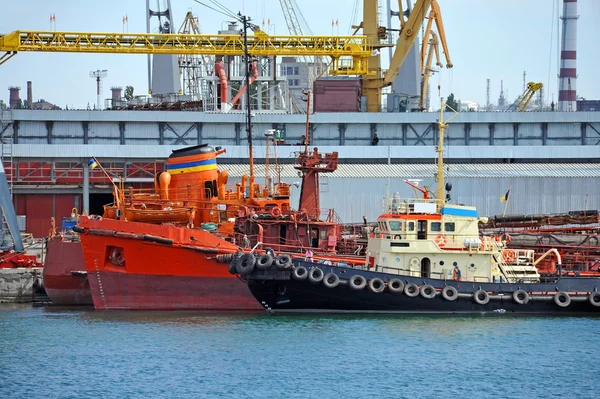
(260, 44)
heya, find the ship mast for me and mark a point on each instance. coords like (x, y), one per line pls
(440, 187)
(245, 21)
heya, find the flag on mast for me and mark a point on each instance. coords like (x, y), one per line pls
(92, 163)
(505, 196)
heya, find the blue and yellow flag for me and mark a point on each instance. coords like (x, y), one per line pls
(92, 163)
(505, 196)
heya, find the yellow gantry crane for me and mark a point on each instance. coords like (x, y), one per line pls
(523, 101)
(349, 54)
(429, 46)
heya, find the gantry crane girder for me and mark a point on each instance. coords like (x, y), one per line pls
(349, 54)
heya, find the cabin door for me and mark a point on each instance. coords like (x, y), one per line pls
(282, 233)
(425, 268)
(421, 229)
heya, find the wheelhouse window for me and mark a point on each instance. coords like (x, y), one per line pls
(436, 226)
(395, 225)
(411, 226)
(450, 226)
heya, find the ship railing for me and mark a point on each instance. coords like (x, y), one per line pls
(401, 206)
(443, 275)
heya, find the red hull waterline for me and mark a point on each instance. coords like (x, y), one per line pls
(152, 275)
(119, 291)
(62, 285)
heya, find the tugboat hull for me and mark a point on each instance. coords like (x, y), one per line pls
(279, 292)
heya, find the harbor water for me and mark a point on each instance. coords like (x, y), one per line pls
(56, 352)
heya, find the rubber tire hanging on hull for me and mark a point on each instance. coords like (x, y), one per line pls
(428, 291)
(411, 290)
(283, 262)
(521, 297)
(331, 280)
(264, 262)
(449, 293)
(357, 282)
(395, 286)
(562, 299)
(481, 297)
(594, 298)
(376, 285)
(245, 264)
(300, 273)
(315, 275)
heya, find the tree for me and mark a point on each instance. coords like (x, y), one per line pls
(19, 104)
(452, 103)
(25, 104)
(129, 93)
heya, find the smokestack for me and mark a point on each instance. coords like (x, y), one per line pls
(29, 95)
(567, 78)
(116, 93)
(13, 98)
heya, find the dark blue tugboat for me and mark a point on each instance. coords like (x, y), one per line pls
(425, 256)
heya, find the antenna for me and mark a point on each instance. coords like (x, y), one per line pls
(99, 75)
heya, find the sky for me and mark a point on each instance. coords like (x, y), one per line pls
(496, 40)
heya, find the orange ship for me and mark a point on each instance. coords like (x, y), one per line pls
(158, 250)
(176, 252)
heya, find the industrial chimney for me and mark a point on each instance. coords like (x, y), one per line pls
(116, 93)
(29, 95)
(13, 98)
(567, 78)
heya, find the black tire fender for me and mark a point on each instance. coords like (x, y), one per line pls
(357, 282)
(315, 275)
(283, 262)
(300, 273)
(331, 280)
(245, 264)
(395, 286)
(449, 293)
(411, 290)
(481, 297)
(521, 297)
(264, 262)
(376, 285)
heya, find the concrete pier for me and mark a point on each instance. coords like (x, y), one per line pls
(21, 285)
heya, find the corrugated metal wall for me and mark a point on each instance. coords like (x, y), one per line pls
(40, 208)
(354, 197)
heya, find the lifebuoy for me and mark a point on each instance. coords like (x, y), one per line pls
(411, 290)
(395, 286)
(245, 264)
(440, 241)
(505, 237)
(449, 293)
(275, 212)
(521, 297)
(331, 280)
(357, 282)
(427, 291)
(594, 298)
(376, 285)
(495, 238)
(283, 262)
(562, 299)
(315, 275)
(117, 257)
(481, 297)
(264, 262)
(508, 255)
(300, 273)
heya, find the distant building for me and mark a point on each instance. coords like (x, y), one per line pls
(588, 105)
(297, 74)
(44, 105)
(469, 106)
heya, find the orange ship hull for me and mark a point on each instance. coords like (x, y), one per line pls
(64, 281)
(137, 266)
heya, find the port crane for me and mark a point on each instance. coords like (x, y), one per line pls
(429, 47)
(374, 82)
(349, 54)
(523, 101)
